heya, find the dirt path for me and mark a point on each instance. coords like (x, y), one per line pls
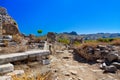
(65, 67)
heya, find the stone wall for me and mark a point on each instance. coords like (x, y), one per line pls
(9, 25)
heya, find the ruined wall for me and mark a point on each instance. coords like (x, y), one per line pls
(9, 25)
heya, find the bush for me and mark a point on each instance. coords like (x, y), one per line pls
(76, 43)
(105, 39)
(64, 41)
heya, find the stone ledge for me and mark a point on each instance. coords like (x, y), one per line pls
(5, 68)
(22, 56)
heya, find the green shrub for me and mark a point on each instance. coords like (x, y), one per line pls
(64, 41)
(76, 43)
(105, 39)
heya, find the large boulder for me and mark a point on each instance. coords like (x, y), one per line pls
(8, 24)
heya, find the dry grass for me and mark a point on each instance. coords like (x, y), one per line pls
(22, 48)
(28, 77)
(17, 38)
(82, 50)
(5, 43)
(116, 42)
(13, 49)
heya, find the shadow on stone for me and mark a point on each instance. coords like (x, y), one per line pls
(78, 58)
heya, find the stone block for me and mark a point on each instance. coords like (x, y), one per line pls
(46, 62)
(5, 68)
(12, 57)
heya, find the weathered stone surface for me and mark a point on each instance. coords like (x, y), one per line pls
(16, 73)
(102, 47)
(118, 58)
(110, 68)
(103, 65)
(116, 64)
(9, 26)
(5, 68)
(22, 56)
(112, 56)
(37, 53)
(73, 72)
(5, 78)
(12, 57)
(46, 62)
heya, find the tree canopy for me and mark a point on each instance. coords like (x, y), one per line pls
(39, 31)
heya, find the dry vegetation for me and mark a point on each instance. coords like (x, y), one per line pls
(17, 38)
(13, 49)
(82, 48)
(94, 43)
(46, 76)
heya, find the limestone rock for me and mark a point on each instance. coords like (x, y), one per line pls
(112, 56)
(110, 68)
(5, 68)
(9, 25)
(116, 64)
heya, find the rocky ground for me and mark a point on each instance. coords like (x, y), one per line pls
(65, 67)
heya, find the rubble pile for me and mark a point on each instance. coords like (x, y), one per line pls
(107, 55)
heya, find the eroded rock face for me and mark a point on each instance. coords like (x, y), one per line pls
(9, 26)
(51, 37)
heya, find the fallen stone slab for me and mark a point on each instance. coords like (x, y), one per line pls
(5, 68)
(5, 78)
(37, 54)
(12, 57)
(22, 56)
(16, 73)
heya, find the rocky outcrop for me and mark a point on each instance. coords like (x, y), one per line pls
(8, 24)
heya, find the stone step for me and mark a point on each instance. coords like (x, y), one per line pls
(22, 56)
(5, 68)
(5, 78)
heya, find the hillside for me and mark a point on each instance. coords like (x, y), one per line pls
(74, 34)
(101, 35)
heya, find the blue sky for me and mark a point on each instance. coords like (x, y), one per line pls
(82, 16)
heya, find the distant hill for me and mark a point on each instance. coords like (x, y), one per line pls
(70, 33)
(74, 35)
(100, 35)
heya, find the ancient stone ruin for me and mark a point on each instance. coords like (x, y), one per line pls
(8, 25)
(107, 55)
